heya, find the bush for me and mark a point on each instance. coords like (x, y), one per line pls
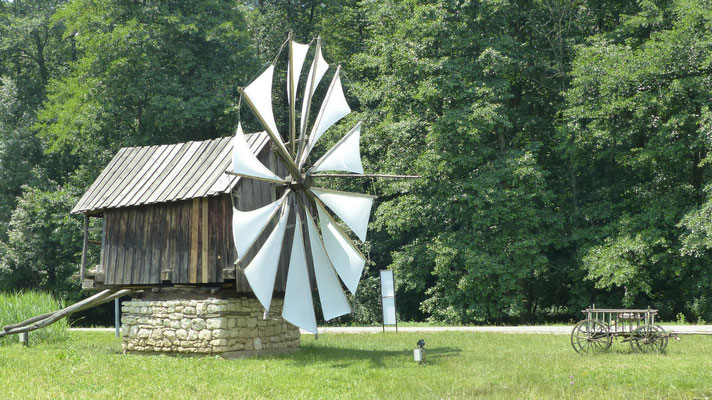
(17, 307)
(44, 245)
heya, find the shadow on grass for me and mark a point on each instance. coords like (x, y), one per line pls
(339, 357)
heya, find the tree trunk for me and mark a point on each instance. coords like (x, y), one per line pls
(500, 141)
(526, 316)
(574, 188)
(41, 63)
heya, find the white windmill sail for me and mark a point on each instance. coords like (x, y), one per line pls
(248, 225)
(298, 306)
(344, 156)
(353, 208)
(299, 53)
(332, 297)
(262, 270)
(245, 162)
(259, 92)
(336, 260)
(316, 72)
(332, 110)
(347, 261)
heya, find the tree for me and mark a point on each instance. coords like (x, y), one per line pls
(32, 47)
(636, 119)
(20, 151)
(43, 247)
(147, 73)
(449, 101)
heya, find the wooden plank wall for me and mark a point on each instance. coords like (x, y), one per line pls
(191, 238)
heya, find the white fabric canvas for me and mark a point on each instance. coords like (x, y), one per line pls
(332, 297)
(260, 94)
(321, 68)
(353, 208)
(262, 270)
(347, 261)
(245, 162)
(299, 53)
(247, 225)
(344, 156)
(298, 306)
(332, 110)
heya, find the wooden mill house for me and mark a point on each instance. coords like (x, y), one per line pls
(167, 215)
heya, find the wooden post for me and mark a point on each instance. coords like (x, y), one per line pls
(292, 96)
(395, 307)
(117, 316)
(82, 268)
(307, 98)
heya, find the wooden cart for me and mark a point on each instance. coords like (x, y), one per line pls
(595, 333)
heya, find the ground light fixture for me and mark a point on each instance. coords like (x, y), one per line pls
(419, 352)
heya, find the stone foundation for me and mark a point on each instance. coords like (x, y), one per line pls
(209, 326)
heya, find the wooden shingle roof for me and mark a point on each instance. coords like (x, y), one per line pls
(158, 174)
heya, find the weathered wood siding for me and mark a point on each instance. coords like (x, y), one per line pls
(192, 238)
(140, 242)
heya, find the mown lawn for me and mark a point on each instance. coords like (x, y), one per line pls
(459, 365)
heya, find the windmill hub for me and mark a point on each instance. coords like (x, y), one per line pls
(301, 184)
(307, 181)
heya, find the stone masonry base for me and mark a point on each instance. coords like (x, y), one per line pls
(232, 327)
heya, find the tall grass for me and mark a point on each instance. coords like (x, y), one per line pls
(17, 307)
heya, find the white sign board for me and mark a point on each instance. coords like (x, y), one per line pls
(387, 286)
(388, 297)
(389, 311)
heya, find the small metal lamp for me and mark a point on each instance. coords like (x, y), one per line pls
(419, 353)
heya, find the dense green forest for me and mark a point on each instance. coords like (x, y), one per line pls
(563, 144)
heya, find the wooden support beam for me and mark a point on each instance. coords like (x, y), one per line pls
(284, 182)
(194, 248)
(205, 242)
(292, 95)
(229, 274)
(364, 176)
(82, 268)
(43, 320)
(166, 275)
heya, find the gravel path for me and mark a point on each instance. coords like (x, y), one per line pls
(540, 329)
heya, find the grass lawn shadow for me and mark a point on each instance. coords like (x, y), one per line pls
(441, 352)
(341, 357)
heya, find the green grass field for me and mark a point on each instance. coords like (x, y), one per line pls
(459, 365)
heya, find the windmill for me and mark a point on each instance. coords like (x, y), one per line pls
(165, 212)
(334, 256)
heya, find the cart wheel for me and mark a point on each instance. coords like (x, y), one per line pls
(649, 339)
(664, 338)
(591, 336)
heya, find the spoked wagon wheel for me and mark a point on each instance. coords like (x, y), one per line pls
(591, 336)
(649, 339)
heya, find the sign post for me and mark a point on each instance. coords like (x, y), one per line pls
(388, 298)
